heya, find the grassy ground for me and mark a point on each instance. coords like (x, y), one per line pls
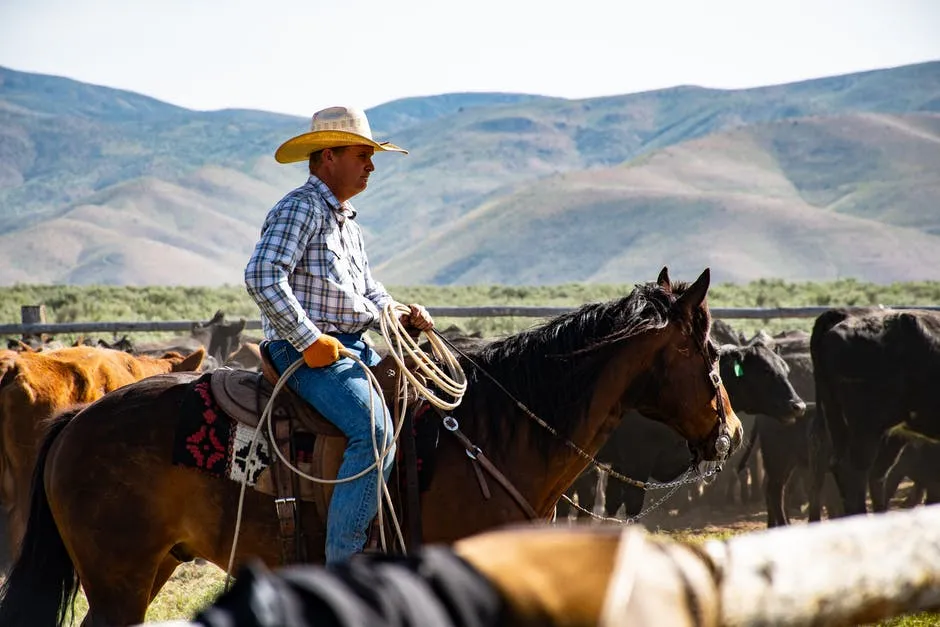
(190, 589)
(70, 303)
(193, 587)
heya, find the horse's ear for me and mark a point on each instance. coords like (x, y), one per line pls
(692, 297)
(663, 279)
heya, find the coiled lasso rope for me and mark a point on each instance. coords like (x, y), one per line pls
(402, 346)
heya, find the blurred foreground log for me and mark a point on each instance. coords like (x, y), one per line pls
(848, 571)
(842, 572)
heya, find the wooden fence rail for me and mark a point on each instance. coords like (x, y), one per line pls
(31, 327)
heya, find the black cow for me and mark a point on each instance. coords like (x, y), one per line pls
(756, 380)
(784, 447)
(723, 333)
(874, 370)
(920, 462)
(639, 448)
(787, 451)
(793, 346)
(124, 344)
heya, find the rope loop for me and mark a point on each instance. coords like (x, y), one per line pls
(402, 347)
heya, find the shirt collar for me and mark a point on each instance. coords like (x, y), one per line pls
(342, 210)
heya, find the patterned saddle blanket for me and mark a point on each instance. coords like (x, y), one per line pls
(219, 417)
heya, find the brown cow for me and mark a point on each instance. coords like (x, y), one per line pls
(248, 356)
(34, 386)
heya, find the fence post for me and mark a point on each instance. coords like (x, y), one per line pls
(32, 314)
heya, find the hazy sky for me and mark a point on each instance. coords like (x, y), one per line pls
(297, 56)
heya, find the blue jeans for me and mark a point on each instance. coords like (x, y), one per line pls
(341, 393)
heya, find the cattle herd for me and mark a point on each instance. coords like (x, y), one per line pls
(40, 376)
(835, 420)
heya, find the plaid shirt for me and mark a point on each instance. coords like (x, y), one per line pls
(309, 273)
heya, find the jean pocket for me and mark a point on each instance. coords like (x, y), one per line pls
(280, 354)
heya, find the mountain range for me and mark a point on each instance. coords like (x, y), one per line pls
(816, 180)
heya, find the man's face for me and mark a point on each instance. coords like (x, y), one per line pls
(351, 167)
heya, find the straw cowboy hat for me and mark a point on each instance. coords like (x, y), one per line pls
(331, 128)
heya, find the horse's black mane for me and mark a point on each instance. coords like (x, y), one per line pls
(553, 368)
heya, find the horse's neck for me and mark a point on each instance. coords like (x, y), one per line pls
(543, 478)
(614, 395)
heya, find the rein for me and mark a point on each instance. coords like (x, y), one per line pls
(691, 475)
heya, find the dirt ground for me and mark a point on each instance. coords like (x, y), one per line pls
(713, 516)
(703, 518)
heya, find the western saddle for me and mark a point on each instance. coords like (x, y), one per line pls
(243, 395)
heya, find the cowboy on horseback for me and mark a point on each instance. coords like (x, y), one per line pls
(311, 280)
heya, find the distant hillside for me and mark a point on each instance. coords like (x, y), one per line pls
(818, 198)
(62, 141)
(106, 186)
(464, 159)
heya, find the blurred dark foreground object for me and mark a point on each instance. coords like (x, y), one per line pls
(849, 571)
(433, 588)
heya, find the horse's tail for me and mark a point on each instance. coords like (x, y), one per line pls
(42, 583)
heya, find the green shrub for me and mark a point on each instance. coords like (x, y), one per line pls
(65, 303)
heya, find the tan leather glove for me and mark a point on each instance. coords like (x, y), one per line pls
(323, 352)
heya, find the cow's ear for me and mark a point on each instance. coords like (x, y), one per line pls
(910, 322)
(192, 362)
(763, 338)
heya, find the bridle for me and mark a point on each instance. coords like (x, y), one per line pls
(723, 437)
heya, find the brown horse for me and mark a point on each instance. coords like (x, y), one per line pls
(109, 506)
(37, 385)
